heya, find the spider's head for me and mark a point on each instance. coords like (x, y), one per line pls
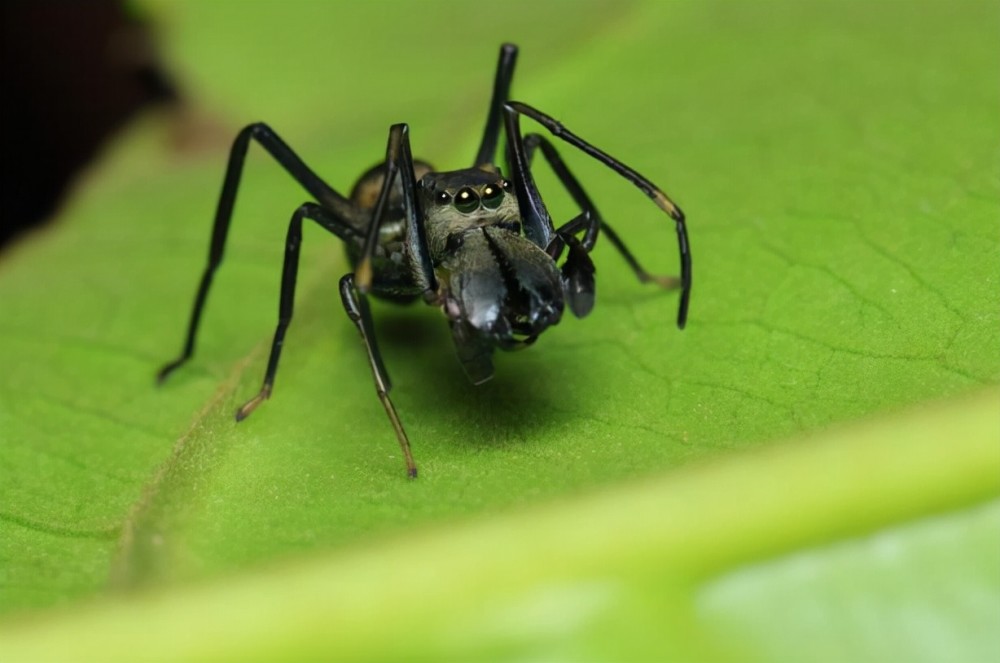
(464, 199)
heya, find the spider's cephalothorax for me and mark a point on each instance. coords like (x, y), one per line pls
(476, 243)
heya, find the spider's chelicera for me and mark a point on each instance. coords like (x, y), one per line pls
(477, 244)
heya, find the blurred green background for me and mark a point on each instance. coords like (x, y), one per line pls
(809, 471)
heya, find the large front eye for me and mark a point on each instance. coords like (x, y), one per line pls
(466, 200)
(492, 196)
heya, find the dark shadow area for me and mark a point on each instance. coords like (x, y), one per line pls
(72, 73)
(515, 403)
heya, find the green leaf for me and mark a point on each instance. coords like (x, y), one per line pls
(839, 167)
(647, 571)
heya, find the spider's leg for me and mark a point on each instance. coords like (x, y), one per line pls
(501, 91)
(356, 305)
(264, 135)
(535, 217)
(534, 210)
(565, 234)
(578, 270)
(293, 242)
(399, 163)
(572, 185)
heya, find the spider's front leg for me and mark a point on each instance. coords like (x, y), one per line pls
(353, 287)
(399, 163)
(501, 92)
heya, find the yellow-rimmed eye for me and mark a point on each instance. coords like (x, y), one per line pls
(466, 200)
(442, 198)
(492, 196)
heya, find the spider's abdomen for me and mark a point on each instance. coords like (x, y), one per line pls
(365, 191)
(392, 231)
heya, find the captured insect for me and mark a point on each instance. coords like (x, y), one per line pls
(479, 245)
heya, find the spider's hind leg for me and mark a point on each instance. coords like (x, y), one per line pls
(339, 208)
(534, 141)
(538, 224)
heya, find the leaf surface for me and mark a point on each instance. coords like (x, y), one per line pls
(839, 168)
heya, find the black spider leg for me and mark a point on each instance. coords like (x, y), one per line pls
(501, 91)
(565, 235)
(356, 305)
(289, 272)
(578, 270)
(321, 191)
(572, 185)
(536, 217)
(399, 163)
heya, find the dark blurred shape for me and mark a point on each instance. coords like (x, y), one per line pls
(71, 73)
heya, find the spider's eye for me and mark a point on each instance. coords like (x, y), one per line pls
(492, 196)
(442, 198)
(466, 200)
(505, 184)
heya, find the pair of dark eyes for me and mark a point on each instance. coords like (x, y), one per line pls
(467, 200)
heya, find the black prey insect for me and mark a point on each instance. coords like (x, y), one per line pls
(478, 245)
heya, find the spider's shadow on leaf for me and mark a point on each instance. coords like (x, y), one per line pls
(515, 406)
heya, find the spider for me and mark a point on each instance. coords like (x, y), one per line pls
(479, 245)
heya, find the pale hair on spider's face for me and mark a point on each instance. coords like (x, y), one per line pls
(467, 198)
